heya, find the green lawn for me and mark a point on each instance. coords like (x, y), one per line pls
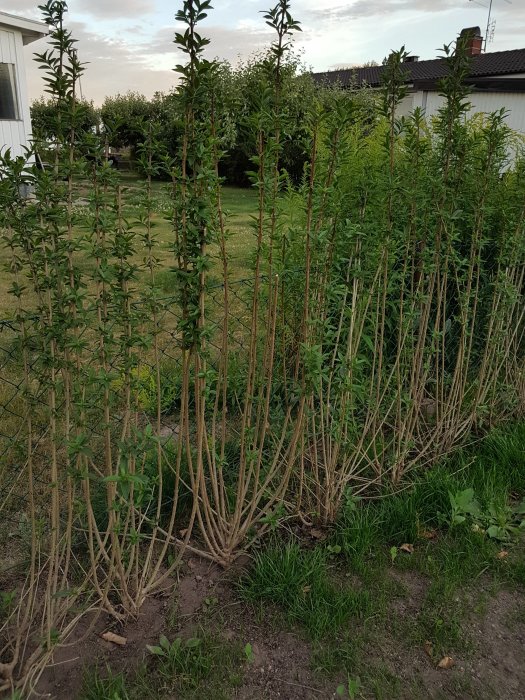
(239, 205)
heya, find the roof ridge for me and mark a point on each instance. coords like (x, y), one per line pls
(510, 61)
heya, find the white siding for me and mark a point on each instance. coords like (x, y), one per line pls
(15, 134)
(405, 106)
(512, 75)
(514, 102)
(488, 102)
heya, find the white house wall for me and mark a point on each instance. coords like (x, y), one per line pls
(512, 75)
(406, 105)
(489, 102)
(15, 134)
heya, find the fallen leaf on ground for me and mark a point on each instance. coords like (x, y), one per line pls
(114, 638)
(446, 662)
(318, 534)
(408, 548)
(428, 534)
(503, 554)
(428, 647)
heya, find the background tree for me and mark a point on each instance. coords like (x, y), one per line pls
(242, 88)
(125, 115)
(43, 118)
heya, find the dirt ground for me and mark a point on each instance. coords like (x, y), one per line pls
(282, 664)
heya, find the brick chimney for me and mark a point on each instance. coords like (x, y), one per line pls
(472, 39)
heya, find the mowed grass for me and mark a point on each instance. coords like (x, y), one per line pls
(239, 206)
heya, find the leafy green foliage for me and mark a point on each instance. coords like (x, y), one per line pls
(43, 119)
(499, 521)
(386, 277)
(463, 503)
(350, 690)
(248, 652)
(473, 480)
(188, 666)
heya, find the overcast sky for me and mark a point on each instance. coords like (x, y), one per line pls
(128, 43)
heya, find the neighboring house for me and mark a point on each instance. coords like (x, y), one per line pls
(497, 80)
(15, 120)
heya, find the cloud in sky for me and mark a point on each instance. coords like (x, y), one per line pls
(96, 8)
(145, 65)
(115, 8)
(128, 43)
(376, 8)
(22, 6)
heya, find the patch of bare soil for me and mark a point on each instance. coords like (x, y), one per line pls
(492, 668)
(281, 660)
(495, 669)
(281, 668)
(86, 649)
(281, 664)
(499, 664)
(414, 587)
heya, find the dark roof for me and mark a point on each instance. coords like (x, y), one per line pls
(484, 65)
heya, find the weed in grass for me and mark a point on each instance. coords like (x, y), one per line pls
(299, 581)
(187, 669)
(210, 604)
(104, 686)
(197, 666)
(462, 504)
(350, 657)
(394, 551)
(385, 685)
(331, 657)
(465, 491)
(248, 653)
(184, 660)
(441, 624)
(499, 520)
(467, 487)
(350, 690)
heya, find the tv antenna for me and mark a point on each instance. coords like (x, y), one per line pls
(491, 23)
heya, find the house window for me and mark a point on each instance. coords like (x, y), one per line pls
(8, 101)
